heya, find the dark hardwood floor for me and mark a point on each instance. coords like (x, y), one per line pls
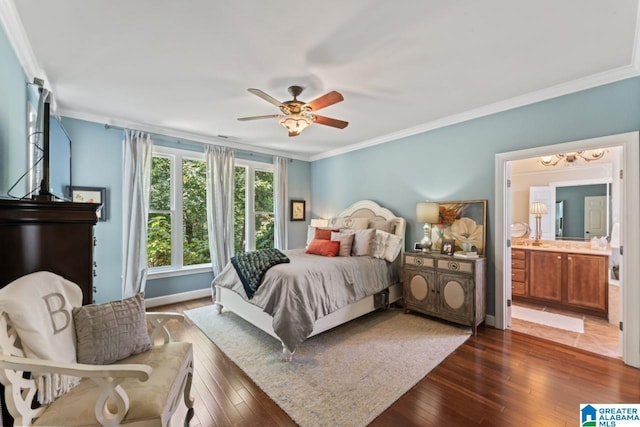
(497, 378)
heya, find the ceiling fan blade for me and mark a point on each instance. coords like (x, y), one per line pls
(266, 97)
(327, 121)
(270, 116)
(325, 100)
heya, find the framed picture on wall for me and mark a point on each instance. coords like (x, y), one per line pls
(297, 210)
(92, 195)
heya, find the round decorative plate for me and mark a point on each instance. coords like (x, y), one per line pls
(520, 229)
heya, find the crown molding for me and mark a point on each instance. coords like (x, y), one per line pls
(177, 134)
(573, 86)
(20, 42)
(635, 54)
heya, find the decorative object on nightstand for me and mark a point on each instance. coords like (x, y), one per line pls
(538, 209)
(448, 246)
(448, 288)
(428, 213)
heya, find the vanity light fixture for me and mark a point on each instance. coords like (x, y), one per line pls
(538, 209)
(572, 158)
(429, 213)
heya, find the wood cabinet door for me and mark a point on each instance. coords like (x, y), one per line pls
(587, 284)
(545, 275)
(456, 297)
(420, 289)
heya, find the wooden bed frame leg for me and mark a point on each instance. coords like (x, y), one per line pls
(288, 355)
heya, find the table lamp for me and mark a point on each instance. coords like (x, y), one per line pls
(427, 212)
(538, 209)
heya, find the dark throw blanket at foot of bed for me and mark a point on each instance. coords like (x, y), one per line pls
(251, 267)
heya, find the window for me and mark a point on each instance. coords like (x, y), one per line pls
(177, 225)
(254, 211)
(177, 237)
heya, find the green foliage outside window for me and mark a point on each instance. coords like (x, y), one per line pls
(263, 202)
(159, 224)
(239, 209)
(195, 243)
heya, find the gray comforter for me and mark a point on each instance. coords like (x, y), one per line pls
(310, 287)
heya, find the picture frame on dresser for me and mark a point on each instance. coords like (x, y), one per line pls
(92, 195)
(447, 247)
(465, 221)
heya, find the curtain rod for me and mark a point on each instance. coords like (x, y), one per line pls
(250, 153)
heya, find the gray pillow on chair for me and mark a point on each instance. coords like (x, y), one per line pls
(112, 331)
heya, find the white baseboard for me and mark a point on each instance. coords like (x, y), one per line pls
(490, 320)
(174, 298)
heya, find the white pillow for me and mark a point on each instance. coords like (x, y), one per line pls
(393, 248)
(342, 222)
(311, 232)
(386, 245)
(346, 241)
(363, 242)
(380, 243)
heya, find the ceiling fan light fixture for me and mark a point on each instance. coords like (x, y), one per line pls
(295, 123)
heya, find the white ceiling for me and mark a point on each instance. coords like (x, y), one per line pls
(182, 68)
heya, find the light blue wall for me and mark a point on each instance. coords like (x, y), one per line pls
(457, 162)
(97, 162)
(13, 120)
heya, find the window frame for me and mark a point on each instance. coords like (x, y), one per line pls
(177, 268)
(250, 213)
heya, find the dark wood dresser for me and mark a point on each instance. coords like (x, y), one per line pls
(48, 236)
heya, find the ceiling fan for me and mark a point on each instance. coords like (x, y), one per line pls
(297, 115)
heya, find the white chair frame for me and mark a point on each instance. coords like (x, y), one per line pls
(19, 391)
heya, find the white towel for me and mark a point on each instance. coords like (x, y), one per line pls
(39, 306)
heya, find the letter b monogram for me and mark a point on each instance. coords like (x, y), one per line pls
(60, 318)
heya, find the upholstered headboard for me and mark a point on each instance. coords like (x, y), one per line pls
(373, 211)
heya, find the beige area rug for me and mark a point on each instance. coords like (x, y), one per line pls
(559, 321)
(343, 377)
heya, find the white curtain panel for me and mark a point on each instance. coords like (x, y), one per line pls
(220, 167)
(280, 202)
(138, 155)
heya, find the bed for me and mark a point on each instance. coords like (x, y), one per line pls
(363, 285)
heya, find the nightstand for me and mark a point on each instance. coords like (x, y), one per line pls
(442, 286)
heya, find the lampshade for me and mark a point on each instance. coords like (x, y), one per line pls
(538, 208)
(318, 222)
(295, 123)
(427, 212)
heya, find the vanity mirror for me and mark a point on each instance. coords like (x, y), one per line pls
(582, 211)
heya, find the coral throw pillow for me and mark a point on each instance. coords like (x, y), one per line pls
(323, 247)
(324, 233)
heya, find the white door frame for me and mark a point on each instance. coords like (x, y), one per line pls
(630, 235)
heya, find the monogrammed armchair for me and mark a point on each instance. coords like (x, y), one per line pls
(124, 378)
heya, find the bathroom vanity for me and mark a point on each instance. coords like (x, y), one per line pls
(561, 275)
